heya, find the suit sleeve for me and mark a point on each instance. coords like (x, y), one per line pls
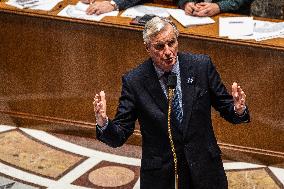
(124, 4)
(221, 100)
(231, 5)
(122, 126)
(182, 2)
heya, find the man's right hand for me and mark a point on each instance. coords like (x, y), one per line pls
(100, 108)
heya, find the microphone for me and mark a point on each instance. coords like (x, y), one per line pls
(172, 82)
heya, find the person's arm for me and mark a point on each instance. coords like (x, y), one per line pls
(100, 7)
(230, 5)
(181, 3)
(115, 132)
(124, 4)
(232, 108)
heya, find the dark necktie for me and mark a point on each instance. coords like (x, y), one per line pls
(176, 108)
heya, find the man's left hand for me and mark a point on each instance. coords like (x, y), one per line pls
(206, 9)
(239, 98)
(100, 8)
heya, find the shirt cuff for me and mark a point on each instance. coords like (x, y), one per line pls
(244, 112)
(102, 128)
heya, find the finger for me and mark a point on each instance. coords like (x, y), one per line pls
(242, 102)
(243, 97)
(103, 96)
(234, 88)
(199, 13)
(91, 9)
(189, 11)
(203, 12)
(238, 89)
(211, 13)
(98, 12)
(96, 99)
(195, 8)
(202, 4)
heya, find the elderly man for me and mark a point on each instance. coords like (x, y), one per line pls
(144, 97)
(191, 7)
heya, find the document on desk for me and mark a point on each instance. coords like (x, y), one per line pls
(264, 30)
(79, 11)
(45, 5)
(141, 10)
(235, 26)
(187, 20)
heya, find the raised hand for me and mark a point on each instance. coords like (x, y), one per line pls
(100, 108)
(239, 98)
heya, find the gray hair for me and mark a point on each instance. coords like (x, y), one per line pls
(154, 26)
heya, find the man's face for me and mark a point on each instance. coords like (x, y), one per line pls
(163, 48)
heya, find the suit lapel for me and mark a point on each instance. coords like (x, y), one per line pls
(154, 88)
(187, 87)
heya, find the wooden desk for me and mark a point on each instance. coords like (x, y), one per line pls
(51, 67)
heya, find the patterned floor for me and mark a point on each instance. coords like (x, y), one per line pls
(35, 159)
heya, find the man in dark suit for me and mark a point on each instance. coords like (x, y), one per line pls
(144, 97)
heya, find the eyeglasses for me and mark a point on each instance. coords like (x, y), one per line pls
(161, 46)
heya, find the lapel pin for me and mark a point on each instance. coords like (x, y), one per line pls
(190, 80)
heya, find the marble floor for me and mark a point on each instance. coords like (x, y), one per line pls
(36, 159)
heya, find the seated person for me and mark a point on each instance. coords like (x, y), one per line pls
(214, 7)
(191, 7)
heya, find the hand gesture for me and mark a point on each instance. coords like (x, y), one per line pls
(100, 108)
(239, 98)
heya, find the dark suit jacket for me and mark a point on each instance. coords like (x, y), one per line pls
(142, 98)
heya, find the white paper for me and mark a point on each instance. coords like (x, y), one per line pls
(243, 37)
(45, 5)
(235, 26)
(187, 20)
(141, 10)
(79, 11)
(264, 30)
